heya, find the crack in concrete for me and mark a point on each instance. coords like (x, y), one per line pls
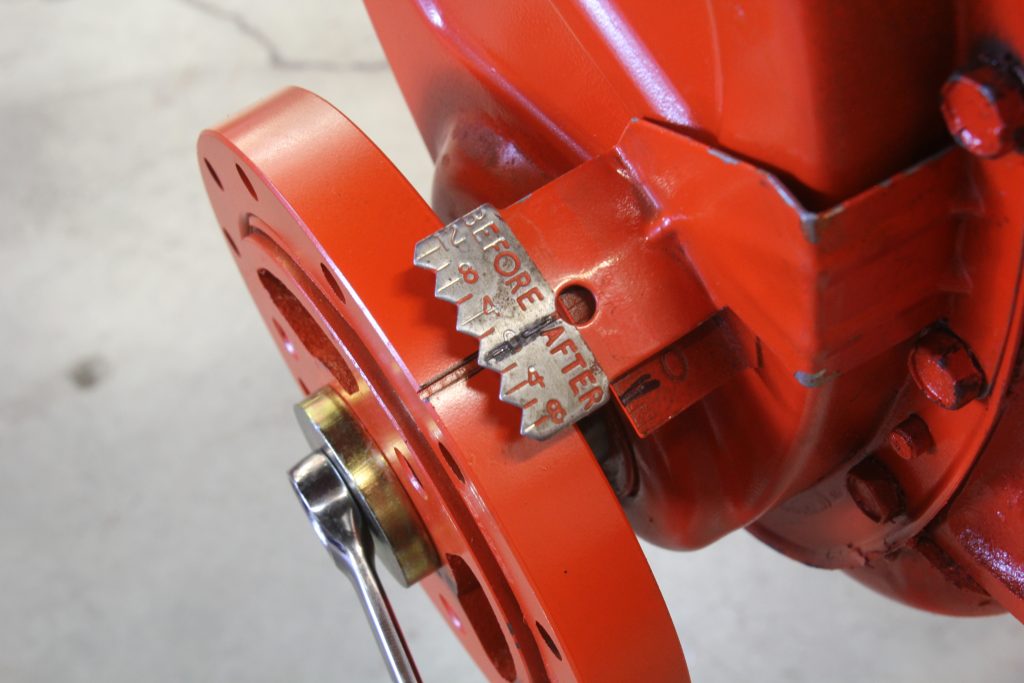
(274, 56)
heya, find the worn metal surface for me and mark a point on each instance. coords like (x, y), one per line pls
(683, 373)
(982, 532)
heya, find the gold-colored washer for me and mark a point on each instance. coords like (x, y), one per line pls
(400, 538)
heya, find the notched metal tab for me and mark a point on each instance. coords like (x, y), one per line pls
(546, 367)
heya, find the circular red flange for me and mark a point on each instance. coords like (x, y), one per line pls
(542, 577)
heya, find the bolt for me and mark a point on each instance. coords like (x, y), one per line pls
(945, 370)
(875, 490)
(911, 438)
(984, 110)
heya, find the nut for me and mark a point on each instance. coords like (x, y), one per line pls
(875, 490)
(911, 438)
(984, 110)
(945, 370)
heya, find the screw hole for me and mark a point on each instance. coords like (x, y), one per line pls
(413, 479)
(452, 465)
(231, 242)
(549, 641)
(335, 287)
(213, 174)
(576, 304)
(246, 182)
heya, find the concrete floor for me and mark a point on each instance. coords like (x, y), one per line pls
(147, 531)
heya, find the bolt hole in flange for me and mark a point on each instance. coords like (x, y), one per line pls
(213, 174)
(452, 465)
(410, 474)
(246, 182)
(308, 331)
(549, 641)
(332, 282)
(576, 304)
(481, 616)
(231, 242)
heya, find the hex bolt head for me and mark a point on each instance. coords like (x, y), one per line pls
(945, 370)
(911, 438)
(875, 490)
(984, 110)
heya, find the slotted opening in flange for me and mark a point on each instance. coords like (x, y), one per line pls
(308, 331)
(213, 173)
(231, 242)
(333, 283)
(406, 467)
(481, 616)
(452, 465)
(549, 641)
(246, 182)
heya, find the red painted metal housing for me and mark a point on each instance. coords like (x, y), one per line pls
(831, 111)
(806, 296)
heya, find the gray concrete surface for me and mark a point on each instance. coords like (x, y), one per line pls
(147, 532)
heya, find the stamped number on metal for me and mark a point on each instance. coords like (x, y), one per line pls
(546, 368)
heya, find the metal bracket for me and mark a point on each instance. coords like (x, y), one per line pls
(546, 367)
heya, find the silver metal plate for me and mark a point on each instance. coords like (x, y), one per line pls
(546, 368)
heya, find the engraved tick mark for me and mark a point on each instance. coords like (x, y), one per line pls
(478, 315)
(432, 251)
(516, 388)
(464, 299)
(450, 284)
